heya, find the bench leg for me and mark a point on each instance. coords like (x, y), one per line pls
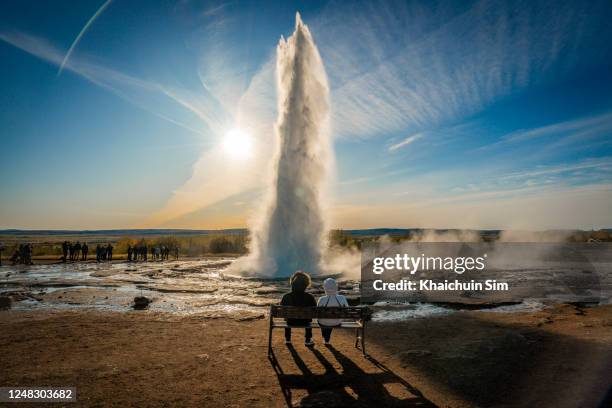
(356, 338)
(363, 350)
(270, 338)
(270, 342)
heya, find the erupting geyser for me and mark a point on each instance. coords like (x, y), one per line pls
(291, 232)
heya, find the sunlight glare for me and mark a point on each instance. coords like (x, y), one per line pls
(238, 143)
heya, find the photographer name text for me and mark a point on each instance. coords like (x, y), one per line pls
(446, 285)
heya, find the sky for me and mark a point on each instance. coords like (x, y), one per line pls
(472, 114)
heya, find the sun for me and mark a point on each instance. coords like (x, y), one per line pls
(238, 143)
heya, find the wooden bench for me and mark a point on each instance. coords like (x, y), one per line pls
(353, 317)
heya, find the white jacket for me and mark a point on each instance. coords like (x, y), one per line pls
(331, 299)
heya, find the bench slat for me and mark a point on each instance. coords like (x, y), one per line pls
(292, 312)
(315, 325)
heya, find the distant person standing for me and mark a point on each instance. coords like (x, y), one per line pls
(65, 245)
(25, 254)
(98, 253)
(70, 251)
(129, 253)
(84, 251)
(77, 251)
(109, 252)
(176, 252)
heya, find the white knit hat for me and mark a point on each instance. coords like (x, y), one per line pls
(331, 286)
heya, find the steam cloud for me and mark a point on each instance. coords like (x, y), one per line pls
(290, 234)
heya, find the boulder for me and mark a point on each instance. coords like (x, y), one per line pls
(141, 302)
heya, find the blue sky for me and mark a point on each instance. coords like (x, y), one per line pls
(473, 114)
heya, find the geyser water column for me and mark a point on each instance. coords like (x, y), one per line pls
(291, 232)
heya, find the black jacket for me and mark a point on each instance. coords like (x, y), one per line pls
(298, 299)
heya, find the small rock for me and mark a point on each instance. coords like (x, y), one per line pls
(5, 302)
(141, 302)
(203, 357)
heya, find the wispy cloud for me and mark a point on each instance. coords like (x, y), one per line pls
(215, 10)
(355, 181)
(396, 67)
(603, 165)
(146, 94)
(523, 208)
(406, 142)
(570, 128)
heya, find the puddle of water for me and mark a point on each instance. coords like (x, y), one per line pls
(528, 305)
(419, 310)
(182, 287)
(405, 311)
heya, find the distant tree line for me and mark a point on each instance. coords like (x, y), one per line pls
(192, 246)
(345, 239)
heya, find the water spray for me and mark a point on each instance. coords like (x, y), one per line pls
(291, 232)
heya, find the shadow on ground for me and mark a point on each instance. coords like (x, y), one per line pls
(346, 384)
(560, 357)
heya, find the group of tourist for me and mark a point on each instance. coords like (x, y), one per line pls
(79, 252)
(140, 252)
(73, 252)
(23, 255)
(104, 253)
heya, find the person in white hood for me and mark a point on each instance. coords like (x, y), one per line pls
(331, 299)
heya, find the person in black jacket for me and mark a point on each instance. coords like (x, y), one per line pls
(299, 281)
(65, 246)
(84, 251)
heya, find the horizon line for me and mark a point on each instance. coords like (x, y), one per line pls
(212, 230)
